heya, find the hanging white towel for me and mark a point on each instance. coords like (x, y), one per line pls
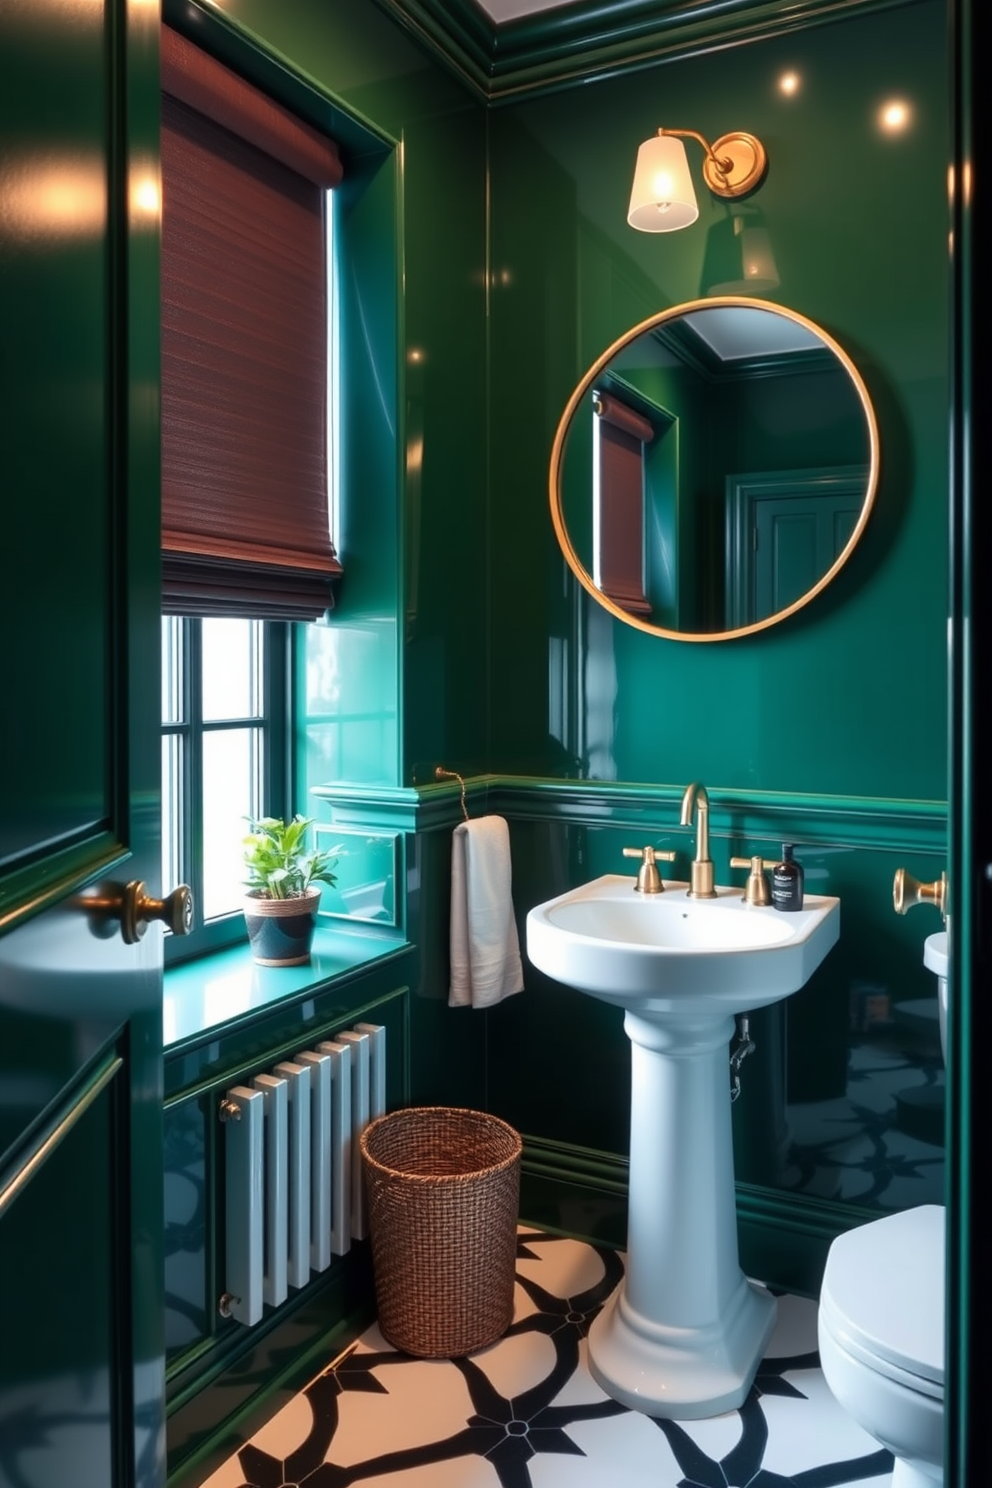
(485, 949)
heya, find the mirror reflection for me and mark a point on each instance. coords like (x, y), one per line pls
(714, 469)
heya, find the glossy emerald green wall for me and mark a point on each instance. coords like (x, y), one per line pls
(455, 596)
(849, 696)
(412, 615)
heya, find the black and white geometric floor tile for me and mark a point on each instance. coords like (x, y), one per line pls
(852, 1148)
(525, 1413)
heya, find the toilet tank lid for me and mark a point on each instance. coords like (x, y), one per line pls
(883, 1290)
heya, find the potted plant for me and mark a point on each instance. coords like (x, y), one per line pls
(283, 889)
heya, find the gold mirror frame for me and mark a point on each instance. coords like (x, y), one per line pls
(558, 450)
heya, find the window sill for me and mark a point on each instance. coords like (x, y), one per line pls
(219, 990)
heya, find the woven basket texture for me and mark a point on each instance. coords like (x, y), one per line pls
(443, 1187)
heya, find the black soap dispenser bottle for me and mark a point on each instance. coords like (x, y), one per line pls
(787, 881)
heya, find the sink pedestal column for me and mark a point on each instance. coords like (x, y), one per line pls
(683, 1334)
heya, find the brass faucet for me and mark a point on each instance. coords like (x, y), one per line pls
(648, 877)
(695, 798)
(757, 890)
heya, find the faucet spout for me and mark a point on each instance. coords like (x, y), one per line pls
(696, 800)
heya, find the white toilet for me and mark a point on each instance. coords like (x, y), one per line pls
(881, 1321)
(881, 1336)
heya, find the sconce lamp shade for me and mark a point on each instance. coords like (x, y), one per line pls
(662, 198)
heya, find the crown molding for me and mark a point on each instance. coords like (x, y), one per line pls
(594, 39)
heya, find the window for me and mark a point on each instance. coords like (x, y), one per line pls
(619, 436)
(224, 757)
(246, 544)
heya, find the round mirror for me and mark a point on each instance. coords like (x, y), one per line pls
(714, 469)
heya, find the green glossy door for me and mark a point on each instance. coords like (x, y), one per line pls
(81, 1359)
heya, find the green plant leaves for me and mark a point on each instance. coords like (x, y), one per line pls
(278, 862)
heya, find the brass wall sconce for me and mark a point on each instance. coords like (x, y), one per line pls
(663, 197)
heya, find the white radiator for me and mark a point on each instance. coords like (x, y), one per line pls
(294, 1195)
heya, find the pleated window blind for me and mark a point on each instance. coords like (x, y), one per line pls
(244, 348)
(621, 436)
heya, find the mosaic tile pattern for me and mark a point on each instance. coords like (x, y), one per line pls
(525, 1413)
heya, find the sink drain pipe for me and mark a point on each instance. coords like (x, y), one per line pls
(745, 1046)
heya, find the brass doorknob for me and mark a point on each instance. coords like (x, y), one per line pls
(907, 891)
(133, 907)
(136, 908)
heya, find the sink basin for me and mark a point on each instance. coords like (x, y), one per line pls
(683, 1334)
(651, 952)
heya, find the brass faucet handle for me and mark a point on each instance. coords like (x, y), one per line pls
(648, 877)
(757, 890)
(907, 891)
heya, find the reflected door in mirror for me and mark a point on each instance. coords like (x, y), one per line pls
(714, 469)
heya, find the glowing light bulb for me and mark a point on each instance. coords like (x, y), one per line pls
(663, 188)
(788, 83)
(894, 116)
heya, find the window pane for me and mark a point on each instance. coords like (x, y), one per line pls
(232, 664)
(231, 775)
(172, 814)
(172, 669)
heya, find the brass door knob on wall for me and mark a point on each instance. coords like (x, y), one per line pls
(135, 908)
(907, 891)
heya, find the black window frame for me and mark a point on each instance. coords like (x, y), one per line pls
(276, 782)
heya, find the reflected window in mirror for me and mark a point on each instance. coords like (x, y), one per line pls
(620, 435)
(731, 475)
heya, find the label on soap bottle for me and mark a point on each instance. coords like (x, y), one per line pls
(787, 882)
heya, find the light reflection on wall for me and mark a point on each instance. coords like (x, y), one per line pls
(144, 196)
(50, 198)
(895, 116)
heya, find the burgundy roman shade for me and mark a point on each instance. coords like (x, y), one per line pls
(244, 348)
(623, 434)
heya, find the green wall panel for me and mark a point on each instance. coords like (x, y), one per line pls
(848, 696)
(55, 286)
(446, 612)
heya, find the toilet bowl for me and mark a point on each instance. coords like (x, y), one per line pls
(881, 1336)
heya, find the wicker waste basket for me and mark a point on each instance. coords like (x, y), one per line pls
(443, 1189)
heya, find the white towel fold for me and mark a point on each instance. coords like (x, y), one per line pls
(485, 949)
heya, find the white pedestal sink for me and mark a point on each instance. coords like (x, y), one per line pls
(684, 1333)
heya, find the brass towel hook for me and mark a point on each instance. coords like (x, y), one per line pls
(440, 773)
